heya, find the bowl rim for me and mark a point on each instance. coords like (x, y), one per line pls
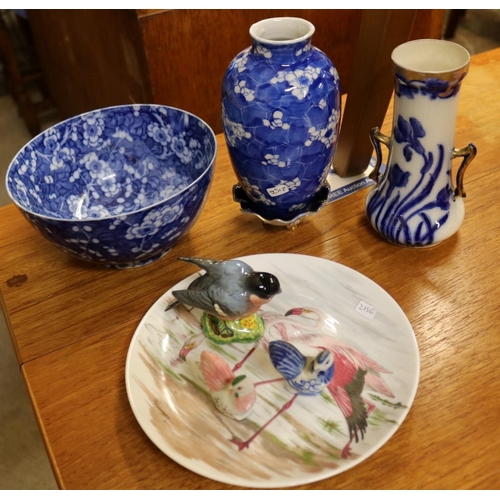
(123, 214)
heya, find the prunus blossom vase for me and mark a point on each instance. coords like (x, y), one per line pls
(281, 114)
(416, 201)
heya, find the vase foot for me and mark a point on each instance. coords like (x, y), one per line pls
(247, 206)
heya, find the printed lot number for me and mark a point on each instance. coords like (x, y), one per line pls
(277, 190)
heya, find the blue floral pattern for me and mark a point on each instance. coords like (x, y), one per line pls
(281, 118)
(399, 200)
(118, 186)
(433, 88)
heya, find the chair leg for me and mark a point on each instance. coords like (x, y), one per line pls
(370, 93)
(455, 16)
(28, 112)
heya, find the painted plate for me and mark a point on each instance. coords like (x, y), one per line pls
(376, 372)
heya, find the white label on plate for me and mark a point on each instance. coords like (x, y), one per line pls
(277, 190)
(366, 310)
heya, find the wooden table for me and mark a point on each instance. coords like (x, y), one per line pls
(71, 324)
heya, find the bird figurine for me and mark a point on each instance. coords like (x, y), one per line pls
(305, 375)
(229, 289)
(229, 293)
(233, 395)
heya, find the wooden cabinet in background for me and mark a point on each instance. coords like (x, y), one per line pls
(99, 58)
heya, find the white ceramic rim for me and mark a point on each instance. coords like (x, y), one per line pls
(288, 29)
(123, 214)
(423, 56)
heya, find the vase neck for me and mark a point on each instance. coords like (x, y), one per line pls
(282, 39)
(433, 68)
(288, 54)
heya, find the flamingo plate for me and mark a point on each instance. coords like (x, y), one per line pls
(285, 440)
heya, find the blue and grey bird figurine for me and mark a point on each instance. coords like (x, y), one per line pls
(229, 293)
(305, 375)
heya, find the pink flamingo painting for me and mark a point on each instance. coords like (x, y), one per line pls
(353, 371)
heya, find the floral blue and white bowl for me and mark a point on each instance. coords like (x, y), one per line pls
(118, 186)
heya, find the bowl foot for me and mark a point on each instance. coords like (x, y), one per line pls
(140, 263)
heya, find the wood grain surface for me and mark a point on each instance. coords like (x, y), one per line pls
(71, 324)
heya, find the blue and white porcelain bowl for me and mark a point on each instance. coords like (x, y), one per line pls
(118, 186)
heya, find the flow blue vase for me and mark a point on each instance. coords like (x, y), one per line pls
(281, 117)
(415, 202)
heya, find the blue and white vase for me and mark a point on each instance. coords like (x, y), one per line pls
(281, 117)
(415, 202)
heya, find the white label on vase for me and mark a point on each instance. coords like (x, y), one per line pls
(277, 190)
(366, 310)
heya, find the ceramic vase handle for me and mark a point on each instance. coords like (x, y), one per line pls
(468, 153)
(377, 137)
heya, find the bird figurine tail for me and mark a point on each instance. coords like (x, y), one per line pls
(172, 305)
